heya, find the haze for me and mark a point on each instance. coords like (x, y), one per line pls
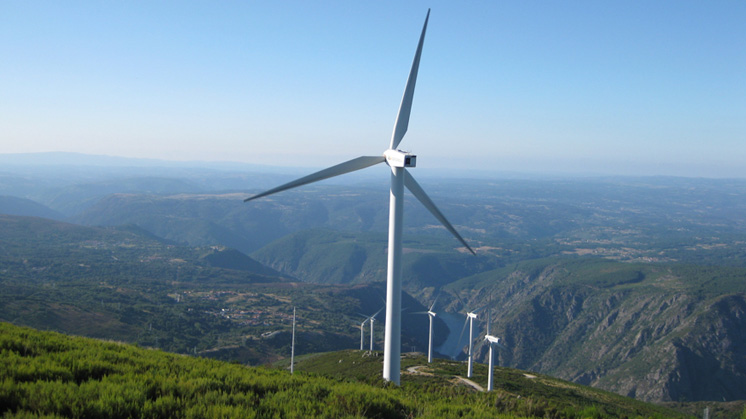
(651, 88)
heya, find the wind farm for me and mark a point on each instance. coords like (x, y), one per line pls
(576, 209)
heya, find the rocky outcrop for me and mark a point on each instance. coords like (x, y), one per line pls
(657, 338)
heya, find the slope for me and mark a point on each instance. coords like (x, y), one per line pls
(654, 332)
(126, 284)
(11, 205)
(45, 374)
(530, 394)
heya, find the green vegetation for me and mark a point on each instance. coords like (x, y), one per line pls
(517, 392)
(586, 319)
(45, 374)
(124, 284)
(631, 285)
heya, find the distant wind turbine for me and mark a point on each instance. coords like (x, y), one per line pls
(431, 315)
(470, 317)
(493, 341)
(372, 320)
(362, 332)
(292, 347)
(397, 160)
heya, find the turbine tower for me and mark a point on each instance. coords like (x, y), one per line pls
(362, 333)
(372, 320)
(292, 347)
(471, 316)
(493, 341)
(431, 315)
(398, 161)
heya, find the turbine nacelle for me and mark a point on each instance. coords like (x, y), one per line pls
(398, 158)
(492, 339)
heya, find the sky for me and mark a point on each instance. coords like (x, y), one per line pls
(573, 87)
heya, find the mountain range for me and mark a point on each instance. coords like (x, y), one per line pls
(634, 285)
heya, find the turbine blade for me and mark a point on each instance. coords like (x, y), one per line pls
(374, 316)
(479, 345)
(340, 169)
(420, 194)
(405, 108)
(434, 301)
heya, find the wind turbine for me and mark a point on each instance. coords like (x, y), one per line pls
(493, 341)
(431, 315)
(362, 332)
(470, 317)
(372, 320)
(292, 347)
(397, 160)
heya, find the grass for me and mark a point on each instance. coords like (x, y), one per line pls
(45, 374)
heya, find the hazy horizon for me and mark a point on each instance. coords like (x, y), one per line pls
(62, 159)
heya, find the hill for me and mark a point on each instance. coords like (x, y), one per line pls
(331, 257)
(45, 374)
(124, 283)
(117, 283)
(656, 219)
(11, 205)
(651, 331)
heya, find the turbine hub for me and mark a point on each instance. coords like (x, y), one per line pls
(398, 158)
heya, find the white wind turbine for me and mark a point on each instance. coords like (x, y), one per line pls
(493, 341)
(362, 332)
(431, 315)
(292, 347)
(372, 320)
(470, 317)
(397, 160)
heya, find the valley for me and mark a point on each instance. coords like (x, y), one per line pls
(632, 285)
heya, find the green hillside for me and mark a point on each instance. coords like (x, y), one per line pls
(45, 374)
(332, 257)
(515, 390)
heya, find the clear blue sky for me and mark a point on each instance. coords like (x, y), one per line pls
(619, 87)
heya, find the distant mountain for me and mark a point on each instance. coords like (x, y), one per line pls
(39, 241)
(332, 257)
(81, 159)
(595, 280)
(224, 219)
(124, 283)
(654, 220)
(104, 282)
(651, 331)
(233, 259)
(11, 205)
